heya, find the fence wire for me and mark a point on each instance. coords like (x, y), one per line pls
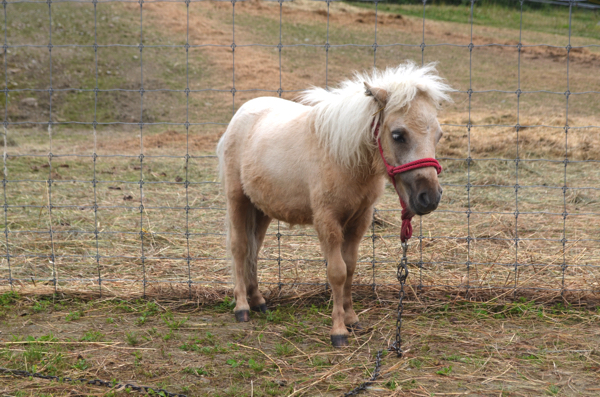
(173, 233)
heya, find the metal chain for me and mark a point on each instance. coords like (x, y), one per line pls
(94, 382)
(363, 386)
(401, 274)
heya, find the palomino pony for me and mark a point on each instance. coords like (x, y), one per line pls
(324, 162)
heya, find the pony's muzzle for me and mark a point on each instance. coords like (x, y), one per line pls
(423, 190)
(427, 200)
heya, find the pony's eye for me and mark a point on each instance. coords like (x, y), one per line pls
(399, 136)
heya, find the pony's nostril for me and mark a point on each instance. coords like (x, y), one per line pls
(424, 199)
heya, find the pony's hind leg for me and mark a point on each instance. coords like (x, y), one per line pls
(257, 301)
(241, 245)
(247, 228)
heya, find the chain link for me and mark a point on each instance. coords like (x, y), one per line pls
(94, 382)
(401, 274)
(363, 386)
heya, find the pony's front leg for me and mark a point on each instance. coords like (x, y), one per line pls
(350, 255)
(352, 236)
(330, 236)
(336, 273)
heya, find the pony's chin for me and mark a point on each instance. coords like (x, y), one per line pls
(423, 213)
(410, 211)
(412, 208)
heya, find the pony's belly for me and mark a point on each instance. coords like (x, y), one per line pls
(292, 216)
(289, 206)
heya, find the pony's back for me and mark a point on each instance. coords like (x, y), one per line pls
(244, 121)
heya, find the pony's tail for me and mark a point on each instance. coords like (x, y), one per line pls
(221, 156)
(250, 260)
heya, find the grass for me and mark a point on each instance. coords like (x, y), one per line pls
(132, 339)
(284, 349)
(74, 316)
(548, 19)
(92, 336)
(196, 371)
(111, 68)
(465, 350)
(8, 298)
(445, 370)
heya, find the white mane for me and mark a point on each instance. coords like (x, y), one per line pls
(343, 117)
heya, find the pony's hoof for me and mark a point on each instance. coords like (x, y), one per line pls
(242, 316)
(262, 308)
(355, 326)
(339, 340)
(358, 329)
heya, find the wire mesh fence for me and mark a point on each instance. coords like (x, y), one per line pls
(112, 110)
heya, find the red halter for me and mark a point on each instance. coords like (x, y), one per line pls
(406, 229)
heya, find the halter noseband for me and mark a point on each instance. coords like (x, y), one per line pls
(406, 229)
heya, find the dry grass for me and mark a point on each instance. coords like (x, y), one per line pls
(476, 254)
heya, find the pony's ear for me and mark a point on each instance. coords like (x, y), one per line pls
(379, 94)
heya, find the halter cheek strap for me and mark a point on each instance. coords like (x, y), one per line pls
(406, 229)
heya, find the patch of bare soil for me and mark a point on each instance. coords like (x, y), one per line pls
(258, 69)
(578, 55)
(169, 139)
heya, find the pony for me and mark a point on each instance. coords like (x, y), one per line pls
(323, 161)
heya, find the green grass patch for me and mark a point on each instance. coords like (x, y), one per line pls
(92, 336)
(445, 371)
(8, 298)
(549, 19)
(83, 70)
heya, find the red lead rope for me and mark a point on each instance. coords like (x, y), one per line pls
(406, 229)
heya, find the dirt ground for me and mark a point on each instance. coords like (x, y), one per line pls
(452, 348)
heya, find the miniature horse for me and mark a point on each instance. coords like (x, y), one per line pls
(323, 162)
